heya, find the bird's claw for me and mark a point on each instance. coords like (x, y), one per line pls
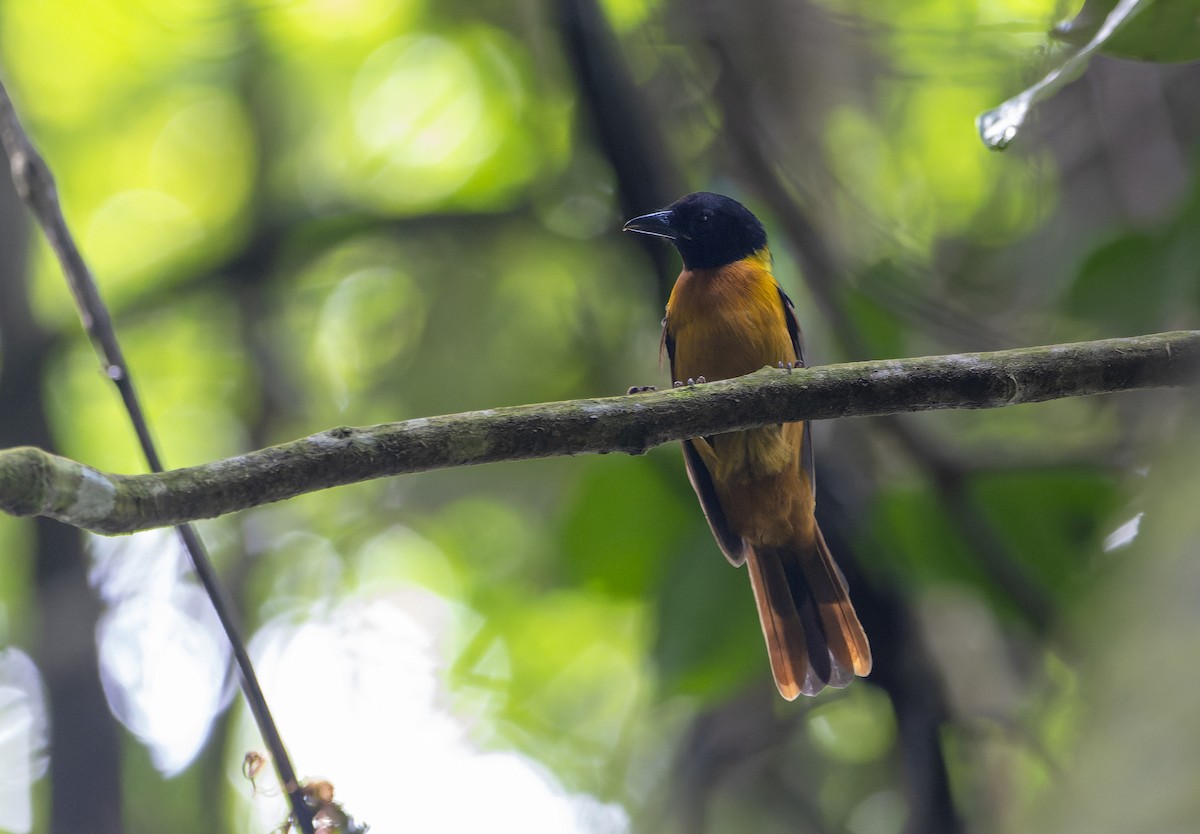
(642, 389)
(692, 382)
(786, 366)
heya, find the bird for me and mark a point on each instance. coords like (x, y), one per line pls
(728, 316)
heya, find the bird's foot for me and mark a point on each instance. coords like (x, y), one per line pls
(787, 366)
(692, 382)
(642, 389)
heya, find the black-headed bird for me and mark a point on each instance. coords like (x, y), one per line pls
(728, 316)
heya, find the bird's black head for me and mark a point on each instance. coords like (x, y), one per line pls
(709, 230)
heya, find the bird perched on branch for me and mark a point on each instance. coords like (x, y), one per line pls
(728, 316)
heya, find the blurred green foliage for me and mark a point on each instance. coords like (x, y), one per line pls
(313, 213)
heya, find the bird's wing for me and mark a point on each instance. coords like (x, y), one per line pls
(793, 326)
(731, 543)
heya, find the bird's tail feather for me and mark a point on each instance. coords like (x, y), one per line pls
(813, 636)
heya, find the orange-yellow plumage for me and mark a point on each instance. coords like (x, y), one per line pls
(726, 317)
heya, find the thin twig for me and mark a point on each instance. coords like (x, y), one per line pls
(36, 186)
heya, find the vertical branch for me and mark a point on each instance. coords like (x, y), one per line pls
(85, 750)
(35, 184)
(629, 138)
(904, 670)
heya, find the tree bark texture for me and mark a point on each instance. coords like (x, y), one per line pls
(34, 482)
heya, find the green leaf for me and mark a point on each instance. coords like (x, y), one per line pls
(1053, 521)
(1120, 287)
(921, 543)
(623, 521)
(1163, 31)
(999, 126)
(708, 642)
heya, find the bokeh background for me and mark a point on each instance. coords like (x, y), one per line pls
(307, 213)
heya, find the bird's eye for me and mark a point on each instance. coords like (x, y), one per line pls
(704, 218)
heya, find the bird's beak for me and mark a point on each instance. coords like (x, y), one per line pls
(657, 224)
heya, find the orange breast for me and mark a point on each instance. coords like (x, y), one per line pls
(727, 322)
(724, 323)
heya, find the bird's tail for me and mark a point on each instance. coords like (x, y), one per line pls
(813, 635)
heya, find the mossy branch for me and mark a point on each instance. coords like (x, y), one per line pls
(33, 482)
